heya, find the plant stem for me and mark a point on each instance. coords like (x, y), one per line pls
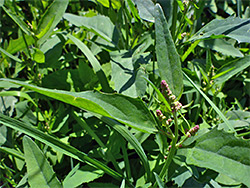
(26, 44)
(181, 23)
(170, 157)
(174, 18)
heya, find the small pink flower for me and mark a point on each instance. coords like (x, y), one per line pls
(164, 85)
(158, 113)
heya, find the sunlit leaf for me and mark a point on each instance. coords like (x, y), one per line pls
(130, 111)
(40, 173)
(222, 152)
(167, 57)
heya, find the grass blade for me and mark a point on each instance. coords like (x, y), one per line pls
(94, 62)
(18, 21)
(132, 140)
(211, 103)
(54, 12)
(57, 144)
(10, 55)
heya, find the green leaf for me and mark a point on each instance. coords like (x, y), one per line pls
(238, 114)
(56, 144)
(222, 152)
(230, 127)
(127, 110)
(100, 25)
(46, 29)
(19, 44)
(179, 171)
(225, 180)
(230, 69)
(85, 174)
(52, 49)
(168, 59)
(40, 173)
(54, 12)
(132, 140)
(127, 73)
(18, 20)
(116, 4)
(23, 183)
(17, 94)
(220, 45)
(3, 135)
(7, 104)
(233, 27)
(189, 50)
(10, 56)
(159, 181)
(180, 4)
(237, 124)
(146, 10)
(94, 62)
(11, 151)
(133, 10)
(38, 56)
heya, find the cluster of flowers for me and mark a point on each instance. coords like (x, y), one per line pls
(175, 106)
(189, 133)
(162, 117)
(170, 97)
(192, 131)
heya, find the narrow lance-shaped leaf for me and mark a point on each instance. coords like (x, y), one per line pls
(11, 56)
(100, 25)
(94, 62)
(127, 110)
(216, 109)
(220, 45)
(236, 28)
(17, 19)
(230, 69)
(18, 94)
(56, 144)
(40, 173)
(54, 12)
(132, 140)
(222, 152)
(168, 59)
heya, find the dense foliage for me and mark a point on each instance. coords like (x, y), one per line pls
(125, 93)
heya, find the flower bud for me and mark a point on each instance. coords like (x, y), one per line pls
(164, 85)
(193, 130)
(169, 147)
(160, 115)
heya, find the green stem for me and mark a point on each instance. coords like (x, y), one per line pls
(26, 44)
(126, 161)
(181, 22)
(171, 154)
(239, 8)
(170, 131)
(174, 18)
